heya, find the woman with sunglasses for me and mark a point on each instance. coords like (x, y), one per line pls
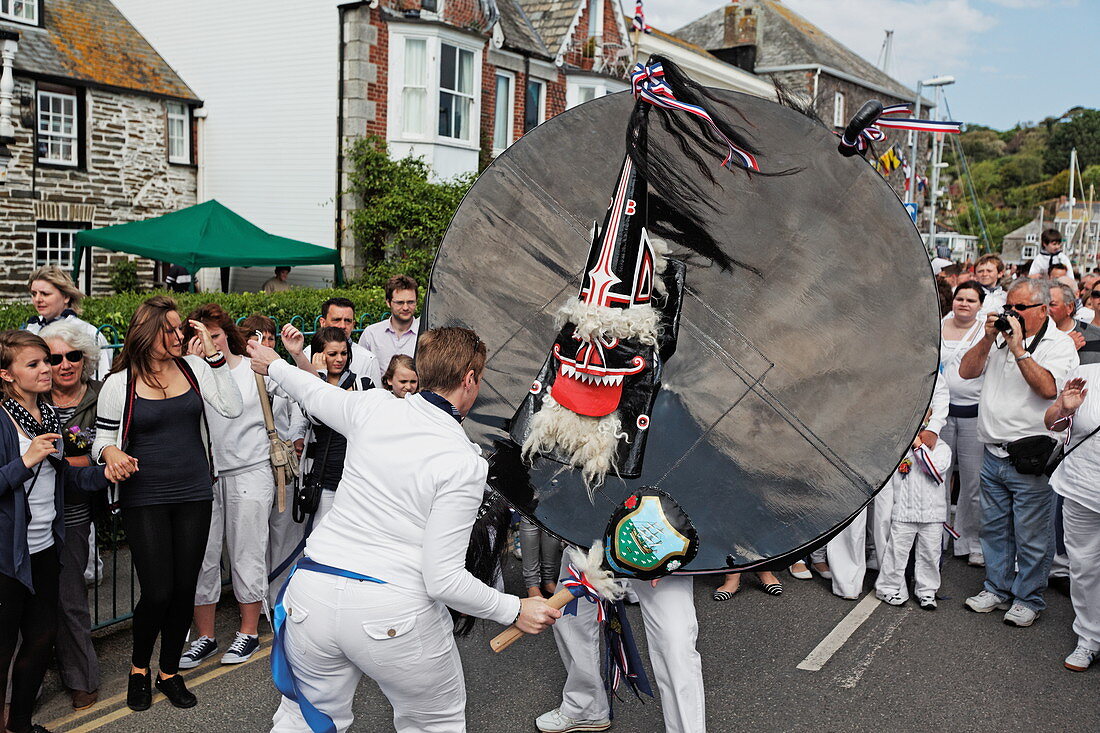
(151, 432)
(74, 396)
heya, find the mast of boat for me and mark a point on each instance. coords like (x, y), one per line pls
(1072, 203)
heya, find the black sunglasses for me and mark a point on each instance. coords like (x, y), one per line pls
(73, 357)
(1021, 307)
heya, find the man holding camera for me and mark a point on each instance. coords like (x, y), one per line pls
(1025, 359)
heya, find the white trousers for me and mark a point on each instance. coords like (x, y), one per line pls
(961, 433)
(1082, 527)
(672, 629)
(242, 502)
(338, 629)
(891, 578)
(847, 552)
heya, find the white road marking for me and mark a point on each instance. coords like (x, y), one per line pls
(851, 679)
(829, 646)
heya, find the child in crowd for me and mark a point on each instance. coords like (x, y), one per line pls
(919, 511)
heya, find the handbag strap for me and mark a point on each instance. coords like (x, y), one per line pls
(265, 403)
(1094, 431)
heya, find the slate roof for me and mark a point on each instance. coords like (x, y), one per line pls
(785, 37)
(519, 33)
(551, 19)
(90, 41)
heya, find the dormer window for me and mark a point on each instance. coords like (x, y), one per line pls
(22, 11)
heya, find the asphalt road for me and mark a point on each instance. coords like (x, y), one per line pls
(903, 669)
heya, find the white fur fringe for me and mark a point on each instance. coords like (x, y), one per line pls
(592, 566)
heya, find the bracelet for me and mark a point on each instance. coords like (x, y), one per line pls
(516, 619)
(217, 360)
(1023, 356)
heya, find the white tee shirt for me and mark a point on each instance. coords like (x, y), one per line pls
(963, 391)
(1078, 476)
(41, 500)
(241, 441)
(1042, 262)
(1010, 408)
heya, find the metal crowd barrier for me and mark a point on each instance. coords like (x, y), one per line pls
(114, 587)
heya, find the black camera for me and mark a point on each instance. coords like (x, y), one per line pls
(1003, 325)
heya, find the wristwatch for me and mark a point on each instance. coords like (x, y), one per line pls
(1021, 357)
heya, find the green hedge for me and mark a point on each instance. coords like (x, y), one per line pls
(116, 310)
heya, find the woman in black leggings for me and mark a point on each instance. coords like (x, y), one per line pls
(151, 432)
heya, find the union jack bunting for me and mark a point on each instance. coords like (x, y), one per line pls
(581, 587)
(924, 460)
(648, 84)
(639, 18)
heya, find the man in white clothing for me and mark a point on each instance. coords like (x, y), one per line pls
(340, 313)
(396, 334)
(1025, 360)
(370, 596)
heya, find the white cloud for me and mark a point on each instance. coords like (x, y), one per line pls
(931, 37)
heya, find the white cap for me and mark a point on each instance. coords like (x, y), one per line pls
(938, 263)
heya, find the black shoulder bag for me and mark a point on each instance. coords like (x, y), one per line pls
(307, 496)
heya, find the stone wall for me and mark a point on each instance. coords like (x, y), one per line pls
(124, 176)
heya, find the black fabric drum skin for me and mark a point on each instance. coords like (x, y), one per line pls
(792, 395)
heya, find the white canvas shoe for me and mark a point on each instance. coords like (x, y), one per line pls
(555, 722)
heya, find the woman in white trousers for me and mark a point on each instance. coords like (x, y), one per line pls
(370, 594)
(1075, 480)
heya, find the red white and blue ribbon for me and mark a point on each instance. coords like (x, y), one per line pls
(579, 585)
(873, 133)
(924, 460)
(639, 18)
(647, 83)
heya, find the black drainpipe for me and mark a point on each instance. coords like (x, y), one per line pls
(339, 136)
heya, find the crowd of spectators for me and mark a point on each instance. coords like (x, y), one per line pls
(172, 434)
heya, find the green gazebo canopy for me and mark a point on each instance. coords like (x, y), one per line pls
(205, 235)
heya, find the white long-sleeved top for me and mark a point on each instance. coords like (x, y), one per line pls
(411, 488)
(940, 404)
(917, 496)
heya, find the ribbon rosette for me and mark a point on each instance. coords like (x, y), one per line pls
(579, 585)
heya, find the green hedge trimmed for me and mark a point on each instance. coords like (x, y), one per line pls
(116, 310)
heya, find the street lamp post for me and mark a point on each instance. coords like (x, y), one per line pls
(938, 81)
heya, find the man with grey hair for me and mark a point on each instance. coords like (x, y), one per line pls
(1063, 311)
(1025, 360)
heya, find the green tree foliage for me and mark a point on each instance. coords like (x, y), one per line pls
(982, 145)
(402, 213)
(123, 276)
(1081, 130)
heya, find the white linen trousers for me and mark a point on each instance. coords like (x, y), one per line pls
(961, 433)
(338, 629)
(1082, 527)
(847, 552)
(672, 629)
(891, 578)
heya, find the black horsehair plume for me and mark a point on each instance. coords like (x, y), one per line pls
(677, 199)
(488, 540)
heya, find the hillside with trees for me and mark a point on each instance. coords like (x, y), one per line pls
(1016, 171)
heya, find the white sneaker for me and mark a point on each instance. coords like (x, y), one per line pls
(1080, 659)
(555, 722)
(928, 603)
(1020, 615)
(985, 602)
(894, 598)
(976, 559)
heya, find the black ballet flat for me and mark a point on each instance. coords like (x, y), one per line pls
(139, 695)
(176, 692)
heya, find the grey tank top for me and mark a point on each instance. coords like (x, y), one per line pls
(166, 438)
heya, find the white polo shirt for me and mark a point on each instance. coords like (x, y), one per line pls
(1076, 477)
(1009, 408)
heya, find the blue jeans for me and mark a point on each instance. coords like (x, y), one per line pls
(1017, 528)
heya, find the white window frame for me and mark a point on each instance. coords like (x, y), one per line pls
(179, 112)
(470, 97)
(8, 11)
(1029, 252)
(59, 136)
(1032, 238)
(839, 118)
(542, 102)
(59, 239)
(433, 14)
(510, 131)
(434, 36)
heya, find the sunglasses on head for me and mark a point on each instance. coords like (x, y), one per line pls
(1021, 306)
(73, 357)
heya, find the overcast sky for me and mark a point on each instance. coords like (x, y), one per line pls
(1014, 60)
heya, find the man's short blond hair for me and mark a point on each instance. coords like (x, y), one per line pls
(444, 355)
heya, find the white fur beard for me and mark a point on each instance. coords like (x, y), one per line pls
(639, 322)
(590, 442)
(592, 566)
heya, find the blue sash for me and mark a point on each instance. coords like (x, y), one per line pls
(281, 671)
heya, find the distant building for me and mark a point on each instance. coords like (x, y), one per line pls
(767, 38)
(953, 245)
(97, 131)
